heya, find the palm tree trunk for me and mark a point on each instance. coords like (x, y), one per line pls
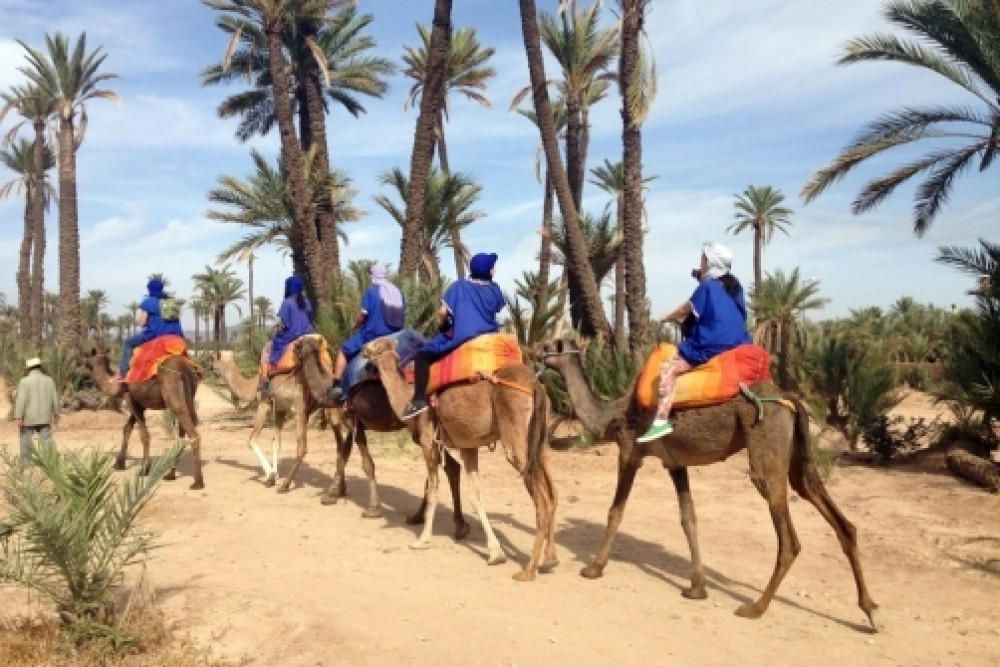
(250, 320)
(23, 277)
(758, 244)
(635, 270)
(69, 334)
(303, 233)
(545, 248)
(580, 273)
(424, 139)
(37, 291)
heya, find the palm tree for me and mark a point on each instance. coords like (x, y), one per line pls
(447, 208)
(328, 63)
(465, 73)
(273, 18)
(90, 309)
(219, 288)
(637, 85)
(70, 79)
(264, 311)
(611, 178)
(778, 304)
(959, 40)
(424, 139)
(580, 274)
(20, 159)
(32, 104)
(760, 209)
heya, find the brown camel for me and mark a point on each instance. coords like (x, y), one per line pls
(511, 407)
(369, 410)
(173, 388)
(776, 439)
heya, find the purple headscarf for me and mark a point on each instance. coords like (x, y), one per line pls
(393, 311)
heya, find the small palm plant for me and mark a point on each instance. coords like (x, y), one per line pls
(70, 531)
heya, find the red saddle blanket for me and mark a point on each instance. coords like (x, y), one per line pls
(288, 361)
(715, 381)
(148, 357)
(482, 354)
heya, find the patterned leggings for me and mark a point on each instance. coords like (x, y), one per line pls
(668, 383)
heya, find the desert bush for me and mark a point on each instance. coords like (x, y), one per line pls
(892, 437)
(71, 530)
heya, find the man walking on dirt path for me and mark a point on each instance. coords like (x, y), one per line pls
(36, 408)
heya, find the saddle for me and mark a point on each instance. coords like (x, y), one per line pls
(715, 381)
(150, 355)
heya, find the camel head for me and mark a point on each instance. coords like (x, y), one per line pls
(377, 348)
(307, 346)
(98, 360)
(553, 354)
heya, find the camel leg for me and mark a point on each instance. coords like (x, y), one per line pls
(551, 559)
(453, 471)
(430, 495)
(626, 477)
(194, 438)
(807, 482)
(254, 443)
(689, 522)
(544, 534)
(470, 460)
(338, 486)
(301, 448)
(788, 542)
(140, 419)
(126, 433)
(374, 509)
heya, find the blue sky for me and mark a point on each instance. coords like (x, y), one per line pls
(748, 94)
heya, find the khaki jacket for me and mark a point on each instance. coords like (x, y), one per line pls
(37, 401)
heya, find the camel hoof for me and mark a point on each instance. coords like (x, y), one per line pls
(270, 481)
(592, 572)
(283, 488)
(695, 593)
(372, 513)
(420, 545)
(327, 499)
(749, 611)
(462, 531)
(524, 575)
(875, 618)
(497, 559)
(170, 476)
(119, 464)
(548, 565)
(415, 520)
(197, 486)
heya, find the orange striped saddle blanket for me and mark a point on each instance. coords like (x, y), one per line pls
(287, 362)
(715, 381)
(148, 357)
(483, 354)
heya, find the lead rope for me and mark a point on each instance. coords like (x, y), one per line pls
(760, 401)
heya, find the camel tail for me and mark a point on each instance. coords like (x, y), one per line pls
(537, 437)
(190, 380)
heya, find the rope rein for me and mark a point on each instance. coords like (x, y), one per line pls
(759, 401)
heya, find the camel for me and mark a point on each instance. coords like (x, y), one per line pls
(776, 439)
(173, 388)
(510, 406)
(245, 389)
(369, 410)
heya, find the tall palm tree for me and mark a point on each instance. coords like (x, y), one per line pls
(448, 208)
(70, 78)
(759, 209)
(33, 104)
(90, 310)
(959, 40)
(264, 311)
(465, 72)
(778, 304)
(580, 274)
(273, 17)
(20, 159)
(611, 178)
(424, 139)
(219, 288)
(637, 85)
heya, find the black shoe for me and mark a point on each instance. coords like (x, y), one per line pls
(334, 393)
(265, 388)
(414, 408)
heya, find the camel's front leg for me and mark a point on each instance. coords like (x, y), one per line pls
(430, 495)
(270, 472)
(626, 477)
(194, 438)
(454, 473)
(470, 459)
(146, 463)
(374, 509)
(301, 448)
(126, 433)
(788, 545)
(338, 485)
(689, 522)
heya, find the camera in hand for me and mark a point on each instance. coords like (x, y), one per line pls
(696, 274)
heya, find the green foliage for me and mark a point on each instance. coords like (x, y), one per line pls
(71, 531)
(885, 438)
(869, 394)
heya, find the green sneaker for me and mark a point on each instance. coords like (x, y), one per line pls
(658, 429)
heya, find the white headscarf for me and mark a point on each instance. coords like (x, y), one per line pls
(720, 259)
(393, 311)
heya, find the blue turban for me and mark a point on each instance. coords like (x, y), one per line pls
(481, 266)
(155, 288)
(293, 285)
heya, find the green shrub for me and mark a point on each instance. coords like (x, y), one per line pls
(888, 441)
